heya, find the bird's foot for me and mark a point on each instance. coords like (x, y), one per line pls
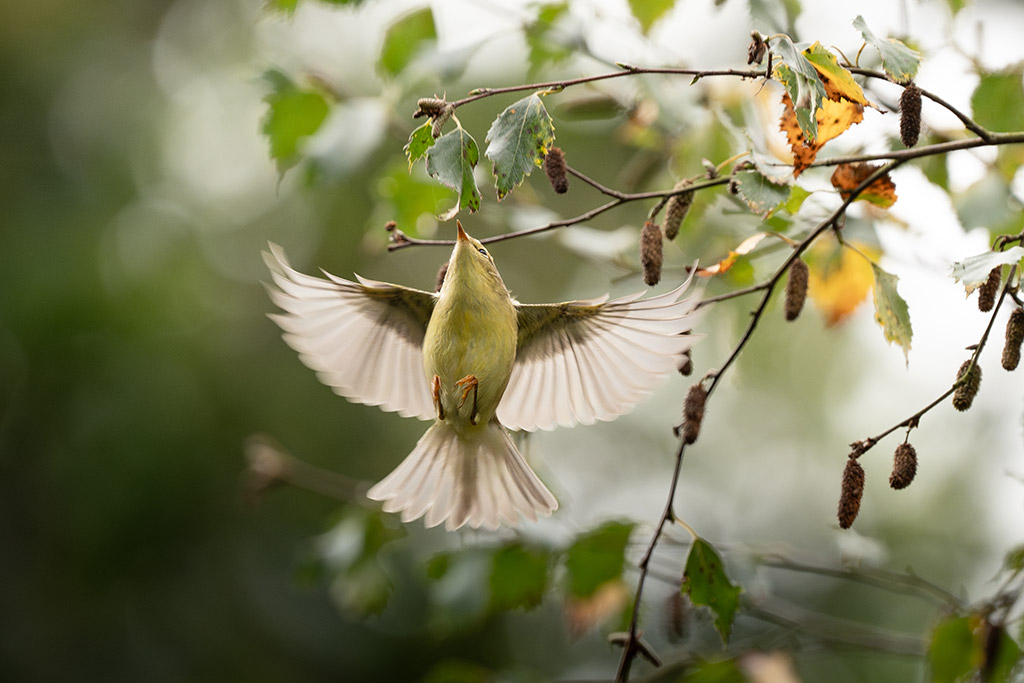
(469, 383)
(435, 391)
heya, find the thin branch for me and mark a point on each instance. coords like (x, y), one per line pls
(626, 70)
(878, 578)
(832, 630)
(968, 122)
(400, 240)
(927, 150)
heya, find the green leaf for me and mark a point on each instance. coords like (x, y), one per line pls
(458, 671)
(596, 558)
(647, 12)
(545, 45)
(762, 194)
(706, 582)
(891, 310)
(801, 81)
(293, 115)
(405, 38)
(898, 60)
(797, 196)
(998, 101)
(518, 141)
(974, 270)
(951, 650)
(519, 577)
(1013, 561)
(351, 551)
(956, 5)
(420, 140)
(410, 196)
(451, 161)
(724, 671)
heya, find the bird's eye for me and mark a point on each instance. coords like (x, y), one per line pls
(482, 251)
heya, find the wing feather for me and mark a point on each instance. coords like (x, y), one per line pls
(364, 339)
(583, 361)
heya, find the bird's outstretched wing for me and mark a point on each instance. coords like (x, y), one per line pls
(582, 361)
(364, 339)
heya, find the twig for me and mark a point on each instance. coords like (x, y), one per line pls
(626, 70)
(878, 578)
(619, 198)
(968, 122)
(867, 444)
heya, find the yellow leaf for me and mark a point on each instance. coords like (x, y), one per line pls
(838, 82)
(833, 118)
(840, 279)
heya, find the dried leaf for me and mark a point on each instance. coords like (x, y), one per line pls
(833, 118)
(847, 177)
(745, 247)
(974, 270)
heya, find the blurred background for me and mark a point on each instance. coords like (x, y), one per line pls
(138, 189)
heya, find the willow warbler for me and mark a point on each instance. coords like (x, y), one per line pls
(475, 360)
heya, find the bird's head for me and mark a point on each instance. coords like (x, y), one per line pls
(472, 266)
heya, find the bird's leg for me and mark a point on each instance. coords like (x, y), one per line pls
(435, 391)
(469, 383)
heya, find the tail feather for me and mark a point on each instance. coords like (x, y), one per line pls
(479, 479)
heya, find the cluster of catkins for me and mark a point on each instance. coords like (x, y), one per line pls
(968, 381)
(652, 236)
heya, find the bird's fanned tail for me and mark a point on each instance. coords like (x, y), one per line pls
(475, 477)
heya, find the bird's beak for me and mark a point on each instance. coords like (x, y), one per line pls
(462, 237)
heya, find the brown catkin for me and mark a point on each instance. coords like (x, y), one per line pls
(440, 119)
(988, 289)
(965, 393)
(428, 106)
(756, 48)
(1014, 337)
(651, 256)
(796, 289)
(693, 412)
(910, 115)
(675, 616)
(554, 164)
(676, 209)
(440, 276)
(852, 492)
(685, 365)
(904, 466)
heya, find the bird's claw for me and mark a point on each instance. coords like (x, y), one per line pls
(469, 383)
(435, 391)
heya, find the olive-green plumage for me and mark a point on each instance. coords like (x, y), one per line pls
(475, 361)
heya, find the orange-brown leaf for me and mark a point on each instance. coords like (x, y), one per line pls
(833, 118)
(881, 192)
